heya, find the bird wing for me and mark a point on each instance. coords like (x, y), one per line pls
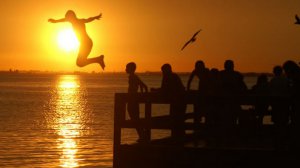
(196, 34)
(185, 44)
(191, 40)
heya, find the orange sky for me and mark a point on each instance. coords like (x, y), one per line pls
(256, 34)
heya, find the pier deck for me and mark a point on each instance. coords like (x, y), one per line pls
(246, 146)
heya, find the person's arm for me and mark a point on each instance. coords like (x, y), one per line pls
(92, 18)
(57, 20)
(142, 85)
(190, 80)
(243, 85)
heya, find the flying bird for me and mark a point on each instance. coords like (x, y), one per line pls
(193, 39)
(297, 20)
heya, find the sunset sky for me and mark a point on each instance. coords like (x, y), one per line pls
(255, 34)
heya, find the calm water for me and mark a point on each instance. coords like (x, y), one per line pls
(60, 120)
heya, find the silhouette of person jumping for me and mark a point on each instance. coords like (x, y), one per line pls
(133, 107)
(86, 43)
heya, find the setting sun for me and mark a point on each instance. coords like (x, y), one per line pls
(67, 40)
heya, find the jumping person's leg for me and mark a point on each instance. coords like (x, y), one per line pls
(82, 59)
(101, 61)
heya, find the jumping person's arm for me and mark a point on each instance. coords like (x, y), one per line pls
(92, 18)
(57, 20)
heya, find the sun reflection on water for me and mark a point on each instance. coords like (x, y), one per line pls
(69, 109)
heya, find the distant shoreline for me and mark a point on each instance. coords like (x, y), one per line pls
(97, 73)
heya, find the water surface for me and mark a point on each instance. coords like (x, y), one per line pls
(49, 120)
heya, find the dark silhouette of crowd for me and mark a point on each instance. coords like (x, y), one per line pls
(221, 94)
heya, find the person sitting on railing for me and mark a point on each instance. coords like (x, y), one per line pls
(134, 83)
(173, 89)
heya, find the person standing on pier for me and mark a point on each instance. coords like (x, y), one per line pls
(292, 70)
(203, 74)
(134, 83)
(279, 89)
(173, 89)
(280, 92)
(261, 88)
(232, 85)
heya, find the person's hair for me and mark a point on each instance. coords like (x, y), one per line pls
(70, 14)
(131, 67)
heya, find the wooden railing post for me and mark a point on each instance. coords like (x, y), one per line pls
(148, 120)
(119, 117)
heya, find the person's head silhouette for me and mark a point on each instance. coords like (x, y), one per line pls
(166, 69)
(70, 15)
(290, 67)
(277, 70)
(130, 67)
(229, 65)
(199, 65)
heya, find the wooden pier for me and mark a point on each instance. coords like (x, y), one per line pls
(249, 145)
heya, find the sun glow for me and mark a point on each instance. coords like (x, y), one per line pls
(67, 40)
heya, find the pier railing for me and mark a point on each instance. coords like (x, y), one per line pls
(149, 122)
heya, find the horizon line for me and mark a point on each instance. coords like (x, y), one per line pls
(103, 72)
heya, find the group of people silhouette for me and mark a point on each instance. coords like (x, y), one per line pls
(285, 83)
